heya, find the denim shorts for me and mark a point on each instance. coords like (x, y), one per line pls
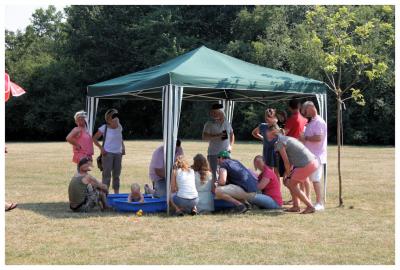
(186, 205)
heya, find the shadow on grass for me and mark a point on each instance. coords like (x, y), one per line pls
(60, 210)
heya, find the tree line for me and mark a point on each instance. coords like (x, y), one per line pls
(61, 52)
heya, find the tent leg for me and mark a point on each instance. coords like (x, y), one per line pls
(91, 109)
(171, 105)
(229, 107)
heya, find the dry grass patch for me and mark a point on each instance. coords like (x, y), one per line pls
(44, 231)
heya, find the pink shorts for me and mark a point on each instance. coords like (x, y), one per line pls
(301, 174)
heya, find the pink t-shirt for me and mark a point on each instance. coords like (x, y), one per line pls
(157, 161)
(317, 126)
(85, 141)
(273, 189)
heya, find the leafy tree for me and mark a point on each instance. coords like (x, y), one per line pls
(343, 48)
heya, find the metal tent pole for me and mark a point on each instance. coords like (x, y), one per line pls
(171, 105)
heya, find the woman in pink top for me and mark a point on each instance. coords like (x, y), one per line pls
(80, 138)
(269, 184)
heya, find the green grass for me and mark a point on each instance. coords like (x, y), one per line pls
(42, 230)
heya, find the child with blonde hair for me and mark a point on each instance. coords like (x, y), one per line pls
(135, 195)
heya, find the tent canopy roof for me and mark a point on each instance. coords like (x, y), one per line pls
(206, 74)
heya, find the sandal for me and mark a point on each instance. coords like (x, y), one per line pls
(308, 210)
(11, 207)
(292, 210)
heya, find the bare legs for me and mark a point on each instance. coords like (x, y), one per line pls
(298, 194)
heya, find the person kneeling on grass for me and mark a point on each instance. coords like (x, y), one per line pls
(236, 184)
(85, 192)
(299, 162)
(183, 183)
(268, 183)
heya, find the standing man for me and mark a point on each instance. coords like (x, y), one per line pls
(218, 131)
(296, 122)
(315, 139)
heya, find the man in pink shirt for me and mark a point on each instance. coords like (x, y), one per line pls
(157, 171)
(315, 139)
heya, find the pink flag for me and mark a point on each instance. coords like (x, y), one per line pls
(12, 88)
(7, 79)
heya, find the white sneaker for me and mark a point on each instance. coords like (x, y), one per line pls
(319, 207)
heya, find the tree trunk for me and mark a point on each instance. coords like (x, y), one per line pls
(339, 144)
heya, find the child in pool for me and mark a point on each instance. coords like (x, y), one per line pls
(135, 195)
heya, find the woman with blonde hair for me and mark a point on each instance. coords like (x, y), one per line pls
(80, 139)
(185, 197)
(204, 184)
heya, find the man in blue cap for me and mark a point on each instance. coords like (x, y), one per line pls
(236, 184)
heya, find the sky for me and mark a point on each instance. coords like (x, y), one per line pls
(18, 16)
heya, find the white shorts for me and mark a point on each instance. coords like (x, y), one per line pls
(316, 176)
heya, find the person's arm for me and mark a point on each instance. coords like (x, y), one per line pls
(123, 148)
(263, 183)
(232, 140)
(95, 184)
(286, 162)
(256, 134)
(130, 197)
(141, 198)
(160, 172)
(314, 138)
(71, 137)
(174, 187)
(95, 139)
(222, 176)
(207, 136)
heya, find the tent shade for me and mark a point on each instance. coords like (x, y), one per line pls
(207, 74)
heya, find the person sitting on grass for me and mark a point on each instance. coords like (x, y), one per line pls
(236, 184)
(299, 162)
(157, 171)
(135, 195)
(204, 184)
(85, 192)
(183, 188)
(269, 184)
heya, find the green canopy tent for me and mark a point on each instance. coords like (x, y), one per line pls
(203, 75)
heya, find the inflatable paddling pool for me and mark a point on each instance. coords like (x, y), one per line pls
(152, 205)
(122, 196)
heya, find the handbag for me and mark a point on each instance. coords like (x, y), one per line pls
(99, 158)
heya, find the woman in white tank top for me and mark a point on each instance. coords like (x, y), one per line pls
(183, 183)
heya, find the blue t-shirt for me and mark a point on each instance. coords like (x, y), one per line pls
(239, 175)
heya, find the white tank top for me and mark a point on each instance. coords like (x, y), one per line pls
(186, 184)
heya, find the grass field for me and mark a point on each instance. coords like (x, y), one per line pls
(42, 230)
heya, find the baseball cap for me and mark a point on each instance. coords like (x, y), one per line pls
(224, 154)
(80, 114)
